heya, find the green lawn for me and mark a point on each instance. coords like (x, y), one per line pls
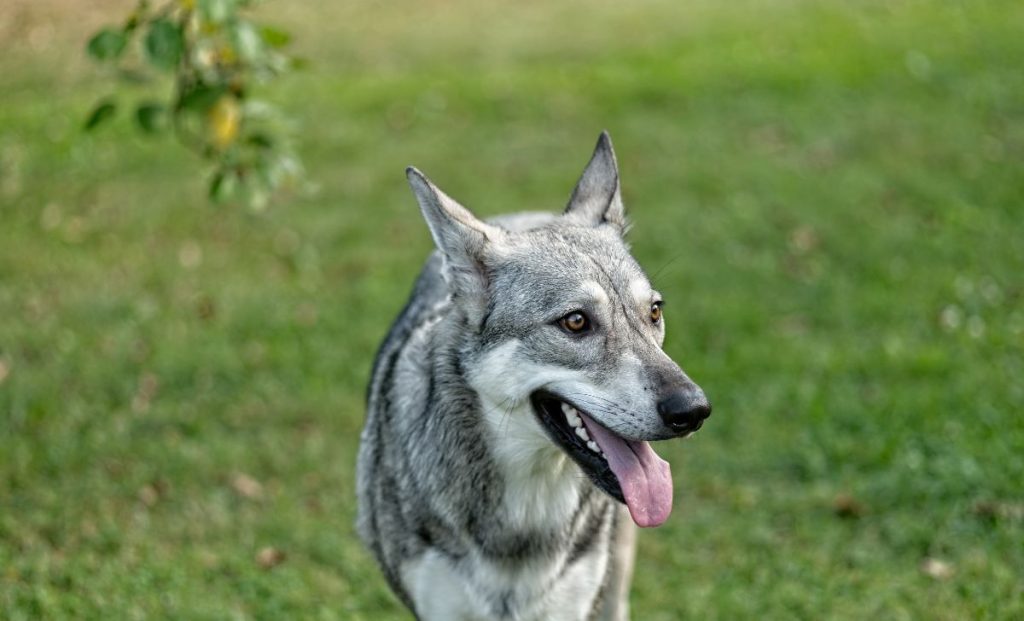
(830, 196)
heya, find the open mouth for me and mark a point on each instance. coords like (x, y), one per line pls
(627, 470)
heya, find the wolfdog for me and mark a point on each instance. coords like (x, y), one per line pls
(505, 457)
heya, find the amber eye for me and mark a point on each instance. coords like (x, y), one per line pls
(575, 322)
(656, 312)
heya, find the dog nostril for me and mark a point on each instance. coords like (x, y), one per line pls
(685, 409)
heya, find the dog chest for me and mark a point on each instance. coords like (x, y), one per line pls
(552, 589)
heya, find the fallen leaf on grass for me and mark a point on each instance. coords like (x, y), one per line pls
(846, 506)
(150, 494)
(995, 510)
(937, 568)
(247, 487)
(270, 557)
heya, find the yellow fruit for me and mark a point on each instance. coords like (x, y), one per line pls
(223, 121)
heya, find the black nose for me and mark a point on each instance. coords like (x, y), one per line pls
(684, 410)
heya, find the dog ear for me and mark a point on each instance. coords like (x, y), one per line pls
(597, 199)
(462, 238)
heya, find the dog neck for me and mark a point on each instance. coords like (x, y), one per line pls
(540, 490)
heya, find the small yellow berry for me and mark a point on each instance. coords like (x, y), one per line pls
(224, 120)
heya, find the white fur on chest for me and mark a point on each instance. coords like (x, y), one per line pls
(483, 590)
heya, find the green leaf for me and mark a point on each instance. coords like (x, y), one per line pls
(223, 185)
(107, 44)
(247, 41)
(216, 11)
(275, 38)
(200, 98)
(260, 140)
(151, 117)
(103, 112)
(164, 43)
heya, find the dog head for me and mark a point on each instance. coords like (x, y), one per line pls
(567, 331)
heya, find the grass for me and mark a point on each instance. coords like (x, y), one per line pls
(829, 195)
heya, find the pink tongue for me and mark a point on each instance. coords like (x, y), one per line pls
(645, 478)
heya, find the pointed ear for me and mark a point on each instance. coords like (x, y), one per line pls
(462, 238)
(597, 198)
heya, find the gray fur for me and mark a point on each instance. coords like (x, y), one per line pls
(433, 488)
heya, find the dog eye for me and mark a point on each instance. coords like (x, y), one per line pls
(575, 322)
(656, 312)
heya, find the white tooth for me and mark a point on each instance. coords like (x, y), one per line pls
(571, 416)
(593, 446)
(582, 433)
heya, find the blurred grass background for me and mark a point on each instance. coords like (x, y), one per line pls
(829, 195)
